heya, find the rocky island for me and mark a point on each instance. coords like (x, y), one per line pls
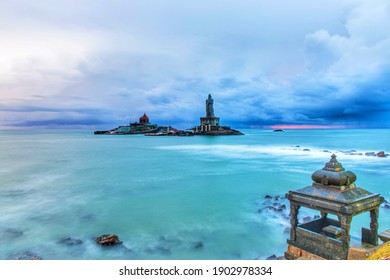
(146, 128)
(141, 127)
(210, 125)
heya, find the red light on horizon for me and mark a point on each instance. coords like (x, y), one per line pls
(305, 126)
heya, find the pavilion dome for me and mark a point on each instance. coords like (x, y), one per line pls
(334, 175)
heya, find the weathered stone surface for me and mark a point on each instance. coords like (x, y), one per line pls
(357, 253)
(385, 236)
(108, 240)
(294, 253)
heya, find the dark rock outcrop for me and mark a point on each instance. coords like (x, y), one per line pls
(198, 245)
(381, 154)
(274, 257)
(108, 240)
(274, 204)
(221, 132)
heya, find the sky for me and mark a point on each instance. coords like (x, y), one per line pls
(100, 64)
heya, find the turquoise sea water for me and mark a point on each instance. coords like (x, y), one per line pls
(169, 197)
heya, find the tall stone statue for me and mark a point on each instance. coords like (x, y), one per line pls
(209, 107)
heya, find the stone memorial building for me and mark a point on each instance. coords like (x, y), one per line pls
(333, 191)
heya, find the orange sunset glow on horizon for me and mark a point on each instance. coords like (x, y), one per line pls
(306, 126)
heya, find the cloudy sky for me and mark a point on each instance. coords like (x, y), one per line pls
(93, 63)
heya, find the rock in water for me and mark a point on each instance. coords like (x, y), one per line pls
(274, 257)
(381, 154)
(108, 240)
(28, 256)
(69, 241)
(198, 245)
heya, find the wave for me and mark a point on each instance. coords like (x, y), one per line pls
(257, 151)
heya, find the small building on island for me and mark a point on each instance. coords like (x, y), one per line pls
(141, 127)
(210, 124)
(333, 191)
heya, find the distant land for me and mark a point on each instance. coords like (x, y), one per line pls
(209, 126)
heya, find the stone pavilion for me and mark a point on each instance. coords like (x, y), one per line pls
(333, 191)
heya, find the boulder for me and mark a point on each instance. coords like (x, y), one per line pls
(381, 154)
(108, 240)
(370, 154)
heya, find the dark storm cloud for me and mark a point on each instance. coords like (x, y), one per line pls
(264, 62)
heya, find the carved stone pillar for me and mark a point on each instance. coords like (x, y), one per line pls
(294, 209)
(374, 215)
(345, 224)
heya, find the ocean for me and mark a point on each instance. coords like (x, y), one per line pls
(170, 197)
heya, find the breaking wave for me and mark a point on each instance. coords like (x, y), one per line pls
(256, 151)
